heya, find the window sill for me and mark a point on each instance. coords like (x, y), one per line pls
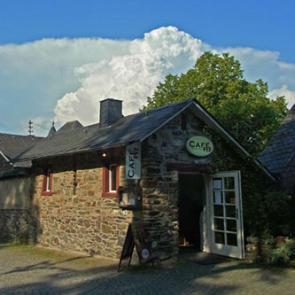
(47, 193)
(109, 195)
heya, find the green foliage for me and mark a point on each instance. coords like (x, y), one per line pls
(268, 213)
(217, 82)
(283, 253)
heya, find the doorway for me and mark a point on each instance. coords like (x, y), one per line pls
(191, 202)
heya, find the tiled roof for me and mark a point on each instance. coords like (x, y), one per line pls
(281, 148)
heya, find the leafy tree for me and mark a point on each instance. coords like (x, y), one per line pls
(217, 82)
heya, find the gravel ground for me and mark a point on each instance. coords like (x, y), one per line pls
(31, 270)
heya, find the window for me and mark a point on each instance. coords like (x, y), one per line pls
(110, 181)
(47, 183)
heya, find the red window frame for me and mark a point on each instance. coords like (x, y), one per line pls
(47, 175)
(106, 181)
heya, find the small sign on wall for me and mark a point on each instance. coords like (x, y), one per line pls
(133, 161)
(199, 146)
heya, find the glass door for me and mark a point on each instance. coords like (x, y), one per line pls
(226, 214)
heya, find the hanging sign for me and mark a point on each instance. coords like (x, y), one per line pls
(133, 161)
(199, 146)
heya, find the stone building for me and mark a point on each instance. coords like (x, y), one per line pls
(279, 154)
(176, 169)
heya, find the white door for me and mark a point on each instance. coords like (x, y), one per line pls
(226, 219)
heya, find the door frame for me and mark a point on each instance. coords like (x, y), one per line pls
(209, 245)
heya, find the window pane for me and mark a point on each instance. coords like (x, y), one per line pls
(230, 197)
(217, 183)
(219, 237)
(218, 224)
(232, 239)
(217, 197)
(48, 182)
(229, 182)
(218, 210)
(230, 211)
(231, 225)
(112, 178)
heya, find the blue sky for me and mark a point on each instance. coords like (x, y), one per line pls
(45, 76)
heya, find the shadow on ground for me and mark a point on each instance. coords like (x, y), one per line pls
(186, 277)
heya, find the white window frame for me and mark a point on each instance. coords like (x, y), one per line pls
(48, 189)
(111, 179)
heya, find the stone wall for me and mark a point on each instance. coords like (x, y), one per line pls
(164, 149)
(76, 216)
(17, 224)
(15, 215)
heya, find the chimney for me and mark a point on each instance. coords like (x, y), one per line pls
(110, 111)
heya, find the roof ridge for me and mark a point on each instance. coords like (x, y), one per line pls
(170, 105)
(20, 135)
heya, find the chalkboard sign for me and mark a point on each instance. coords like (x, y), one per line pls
(128, 247)
(143, 247)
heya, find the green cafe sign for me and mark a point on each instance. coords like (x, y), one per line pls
(199, 146)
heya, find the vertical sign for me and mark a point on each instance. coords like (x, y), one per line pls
(133, 161)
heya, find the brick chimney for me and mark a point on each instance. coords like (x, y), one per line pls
(110, 111)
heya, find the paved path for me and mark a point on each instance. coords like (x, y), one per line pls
(26, 270)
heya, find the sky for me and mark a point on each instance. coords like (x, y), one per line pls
(59, 58)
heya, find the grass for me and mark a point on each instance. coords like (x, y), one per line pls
(58, 255)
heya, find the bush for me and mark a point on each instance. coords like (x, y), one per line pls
(269, 213)
(283, 253)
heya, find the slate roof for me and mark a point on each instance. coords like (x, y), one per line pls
(12, 145)
(280, 150)
(137, 127)
(126, 130)
(70, 126)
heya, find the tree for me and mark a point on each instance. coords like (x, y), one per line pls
(217, 82)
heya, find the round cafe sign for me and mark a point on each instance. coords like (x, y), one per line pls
(199, 146)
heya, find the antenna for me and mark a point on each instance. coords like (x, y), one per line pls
(30, 129)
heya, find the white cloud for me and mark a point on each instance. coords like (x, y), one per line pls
(284, 91)
(132, 76)
(265, 65)
(34, 75)
(65, 78)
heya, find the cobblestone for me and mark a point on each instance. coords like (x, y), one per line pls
(28, 270)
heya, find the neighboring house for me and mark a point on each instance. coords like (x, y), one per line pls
(279, 154)
(176, 168)
(15, 185)
(12, 145)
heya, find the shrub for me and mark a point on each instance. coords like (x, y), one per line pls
(268, 213)
(283, 253)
